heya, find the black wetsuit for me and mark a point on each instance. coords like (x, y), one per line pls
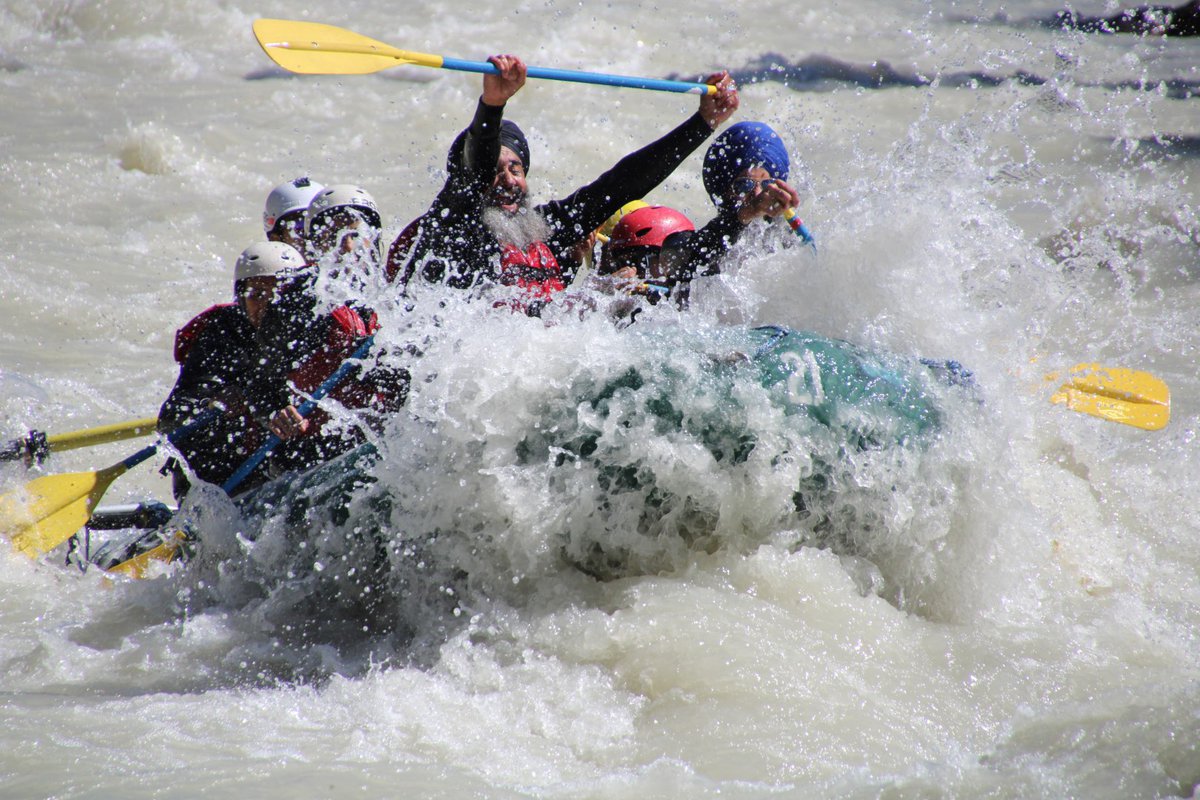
(223, 364)
(713, 241)
(453, 245)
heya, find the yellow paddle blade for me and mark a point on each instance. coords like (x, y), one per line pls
(313, 48)
(47, 511)
(166, 552)
(1121, 395)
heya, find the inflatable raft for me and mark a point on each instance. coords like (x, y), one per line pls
(844, 397)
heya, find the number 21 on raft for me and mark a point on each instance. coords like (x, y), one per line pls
(797, 388)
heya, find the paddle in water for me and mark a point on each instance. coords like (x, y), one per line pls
(312, 48)
(1122, 395)
(47, 511)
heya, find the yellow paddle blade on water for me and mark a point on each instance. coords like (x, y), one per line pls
(313, 48)
(1122, 395)
(47, 511)
(139, 566)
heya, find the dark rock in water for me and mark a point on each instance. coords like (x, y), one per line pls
(1169, 146)
(819, 73)
(825, 73)
(818, 69)
(1181, 20)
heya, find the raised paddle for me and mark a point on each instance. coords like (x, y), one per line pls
(1122, 395)
(303, 410)
(37, 445)
(49, 510)
(312, 48)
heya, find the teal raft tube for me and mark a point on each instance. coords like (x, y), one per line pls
(876, 399)
(841, 396)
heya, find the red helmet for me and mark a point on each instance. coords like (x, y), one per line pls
(648, 227)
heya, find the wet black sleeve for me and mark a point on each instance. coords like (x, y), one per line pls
(213, 371)
(471, 166)
(712, 242)
(482, 146)
(631, 178)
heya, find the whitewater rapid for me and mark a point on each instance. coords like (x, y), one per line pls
(1008, 609)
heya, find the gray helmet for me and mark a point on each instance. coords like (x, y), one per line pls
(295, 195)
(339, 196)
(265, 259)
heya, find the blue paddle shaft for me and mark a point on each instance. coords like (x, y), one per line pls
(174, 437)
(303, 410)
(803, 232)
(575, 76)
(801, 229)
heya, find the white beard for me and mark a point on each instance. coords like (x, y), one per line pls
(522, 229)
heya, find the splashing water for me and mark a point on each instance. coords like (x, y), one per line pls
(595, 562)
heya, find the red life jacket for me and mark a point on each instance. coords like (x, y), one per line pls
(186, 336)
(347, 331)
(534, 269)
(401, 247)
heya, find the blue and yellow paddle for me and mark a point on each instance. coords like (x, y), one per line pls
(304, 409)
(797, 225)
(47, 511)
(312, 48)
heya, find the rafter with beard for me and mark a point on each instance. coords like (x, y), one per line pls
(521, 228)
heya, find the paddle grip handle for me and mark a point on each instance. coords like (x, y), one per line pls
(304, 409)
(33, 448)
(797, 225)
(576, 76)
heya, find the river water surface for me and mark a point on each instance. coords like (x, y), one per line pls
(1010, 609)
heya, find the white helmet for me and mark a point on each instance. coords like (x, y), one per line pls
(339, 196)
(265, 259)
(295, 195)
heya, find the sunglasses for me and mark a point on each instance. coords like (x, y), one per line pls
(747, 185)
